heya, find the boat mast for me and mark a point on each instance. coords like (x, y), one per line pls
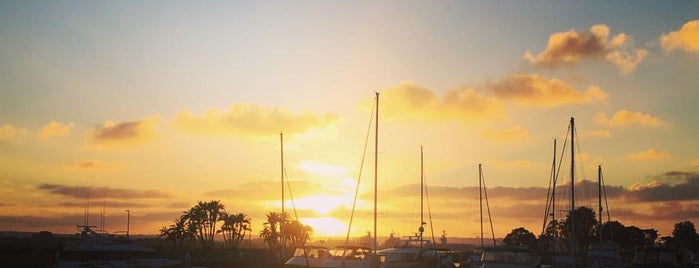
(480, 198)
(281, 223)
(554, 178)
(422, 190)
(599, 201)
(572, 188)
(376, 164)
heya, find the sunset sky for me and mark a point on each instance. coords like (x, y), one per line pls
(151, 106)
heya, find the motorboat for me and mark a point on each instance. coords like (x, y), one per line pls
(341, 256)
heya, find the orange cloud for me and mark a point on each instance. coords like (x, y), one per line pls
(55, 129)
(650, 154)
(408, 101)
(126, 133)
(8, 132)
(624, 118)
(92, 164)
(572, 46)
(514, 133)
(250, 120)
(104, 192)
(542, 92)
(686, 38)
(695, 163)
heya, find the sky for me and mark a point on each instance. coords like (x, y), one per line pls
(153, 106)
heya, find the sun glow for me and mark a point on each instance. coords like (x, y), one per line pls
(326, 226)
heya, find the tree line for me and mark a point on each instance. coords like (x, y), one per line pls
(558, 232)
(199, 225)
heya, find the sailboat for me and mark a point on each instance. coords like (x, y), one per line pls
(415, 251)
(342, 256)
(499, 256)
(602, 253)
(477, 254)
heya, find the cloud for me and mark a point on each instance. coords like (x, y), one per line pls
(250, 120)
(566, 48)
(513, 134)
(650, 154)
(92, 164)
(624, 118)
(686, 38)
(55, 129)
(268, 190)
(8, 132)
(683, 186)
(100, 192)
(109, 204)
(126, 133)
(408, 101)
(695, 163)
(542, 92)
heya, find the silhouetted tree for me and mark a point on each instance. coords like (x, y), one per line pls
(585, 226)
(520, 237)
(234, 228)
(297, 234)
(684, 235)
(197, 222)
(271, 230)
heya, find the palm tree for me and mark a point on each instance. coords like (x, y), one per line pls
(270, 232)
(234, 228)
(297, 233)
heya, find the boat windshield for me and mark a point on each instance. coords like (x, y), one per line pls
(313, 253)
(350, 253)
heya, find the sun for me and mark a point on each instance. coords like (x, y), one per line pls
(326, 226)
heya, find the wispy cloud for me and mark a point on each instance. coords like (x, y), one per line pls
(93, 164)
(125, 133)
(542, 92)
(624, 118)
(408, 101)
(55, 129)
(686, 38)
(106, 203)
(565, 48)
(650, 154)
(100, 192)
(8, 132)
(251, 120)
(509, 134)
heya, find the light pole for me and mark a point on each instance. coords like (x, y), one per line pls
(128, 222)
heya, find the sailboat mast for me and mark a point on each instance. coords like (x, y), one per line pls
(572, 187)
(281, 223)
(480, 198)
(422, 190)
(599, 202)
(376, 164)
(554, 178)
